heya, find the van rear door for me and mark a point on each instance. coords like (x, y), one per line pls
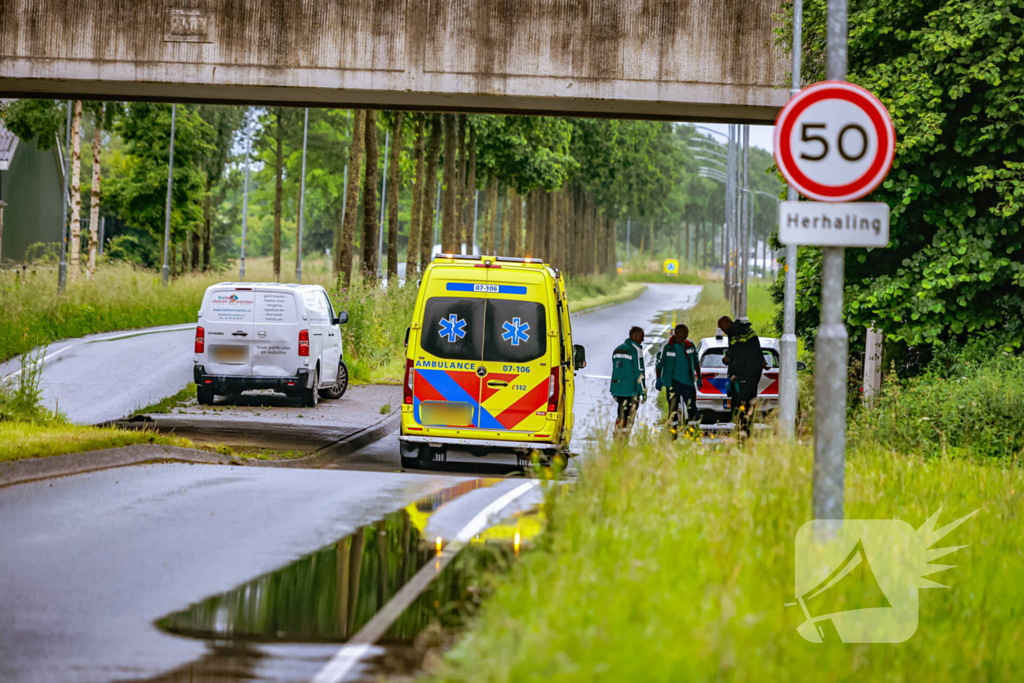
(275, 347)
(517, 354)
(446, 386)
(228, 323)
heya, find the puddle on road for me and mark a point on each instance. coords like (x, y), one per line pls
(286, 624)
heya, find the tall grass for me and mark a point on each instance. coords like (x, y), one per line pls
(672, 562)
(979, 413)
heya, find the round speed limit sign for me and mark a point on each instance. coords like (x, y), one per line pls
(834, 141)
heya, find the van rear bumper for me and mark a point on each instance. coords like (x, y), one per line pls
(488, 443)
(231, 384)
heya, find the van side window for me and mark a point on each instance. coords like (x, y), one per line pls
(516, 331)
(453, 328)
(330, 308)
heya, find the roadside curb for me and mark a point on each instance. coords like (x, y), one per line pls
(613, 302)
(35, 469)
(329, 454)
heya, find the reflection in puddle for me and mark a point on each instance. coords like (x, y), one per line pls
(284, 625)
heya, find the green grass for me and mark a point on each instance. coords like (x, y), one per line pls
(683, 278)
(171, 402)
(672, 562)
(20, 440)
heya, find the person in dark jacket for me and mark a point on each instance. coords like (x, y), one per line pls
(745, 361)
(629, 381)
(679, 373)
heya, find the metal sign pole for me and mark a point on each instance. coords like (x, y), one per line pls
(245, 190)
(788, 387)
(166, 271)
(745, 224)
(302, 202)
(730, 221)
(831, 345)
(383, 206)
(62, 268)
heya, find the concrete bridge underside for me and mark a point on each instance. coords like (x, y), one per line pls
(670, 59)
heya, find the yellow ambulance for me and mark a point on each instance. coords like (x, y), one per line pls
(490, 362)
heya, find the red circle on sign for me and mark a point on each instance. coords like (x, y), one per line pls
(884, 131)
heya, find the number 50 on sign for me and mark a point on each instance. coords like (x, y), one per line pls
(834, 142)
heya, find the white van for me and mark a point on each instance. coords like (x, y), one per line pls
(269, 336)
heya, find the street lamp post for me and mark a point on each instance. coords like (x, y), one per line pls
(166, 270)
(788, 343)
(302, 202)
(245, 190)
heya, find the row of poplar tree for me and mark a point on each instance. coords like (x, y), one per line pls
(553, 188)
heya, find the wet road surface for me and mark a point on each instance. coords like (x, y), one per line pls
(105, 377)
(89, 562)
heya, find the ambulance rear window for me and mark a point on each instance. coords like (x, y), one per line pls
(516, 331)
(453, 328)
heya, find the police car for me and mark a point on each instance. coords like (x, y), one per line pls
(712, 394)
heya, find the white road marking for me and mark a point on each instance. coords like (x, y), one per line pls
(346, 658)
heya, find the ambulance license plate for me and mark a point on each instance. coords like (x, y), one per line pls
(446, 414)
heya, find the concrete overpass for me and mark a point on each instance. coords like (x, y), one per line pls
(673, 59)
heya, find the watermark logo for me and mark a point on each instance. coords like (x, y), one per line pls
(857, 580)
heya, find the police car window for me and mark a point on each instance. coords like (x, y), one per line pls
(770, 359)
(713, 359)
(516, 331)
(453, 328)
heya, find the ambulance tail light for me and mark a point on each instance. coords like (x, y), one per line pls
(554, 387)
(407, 384)
(200, 340)
(303, 342)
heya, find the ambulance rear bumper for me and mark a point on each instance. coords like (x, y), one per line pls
(435, 441)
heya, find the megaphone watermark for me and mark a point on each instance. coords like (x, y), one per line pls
(857, 580)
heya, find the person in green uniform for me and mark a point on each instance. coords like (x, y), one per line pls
(629, 381)
(679, 373)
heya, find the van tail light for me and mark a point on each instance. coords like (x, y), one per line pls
(554, 389)
(200, 340)
(407, 384)
(303, 342)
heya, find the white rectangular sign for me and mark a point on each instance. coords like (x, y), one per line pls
(823, 224)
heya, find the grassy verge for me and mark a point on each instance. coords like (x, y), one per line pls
(673, 562)
(168, 404)
(20, 440)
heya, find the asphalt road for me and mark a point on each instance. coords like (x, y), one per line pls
(89, 562)
(105, 377)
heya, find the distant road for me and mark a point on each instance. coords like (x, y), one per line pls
(105, 377)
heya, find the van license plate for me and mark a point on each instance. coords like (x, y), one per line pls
(229, 354)
(446, 414)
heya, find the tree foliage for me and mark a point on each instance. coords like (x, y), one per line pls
(950, 74)
(138, 190)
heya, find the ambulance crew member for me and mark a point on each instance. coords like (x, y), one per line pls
(745, 361)
(678, 373)
(629, 382)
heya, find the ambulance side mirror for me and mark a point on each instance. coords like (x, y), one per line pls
(579, 357)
